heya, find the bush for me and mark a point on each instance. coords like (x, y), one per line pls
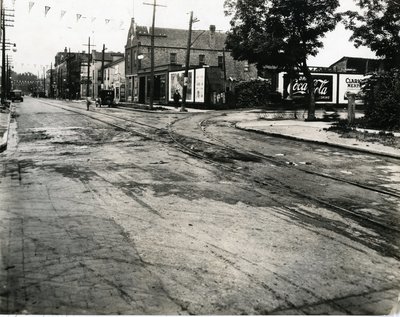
(382, 100)
(255, 94)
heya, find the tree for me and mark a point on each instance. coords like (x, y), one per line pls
(382, 95)
(282, 33)
(377, 26)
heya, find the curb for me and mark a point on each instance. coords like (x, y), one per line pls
(153, 111)
(342, 146)
(3, 144)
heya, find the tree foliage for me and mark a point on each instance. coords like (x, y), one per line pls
(382, 100)
(377, 26)
(254, 94)
(283, 33)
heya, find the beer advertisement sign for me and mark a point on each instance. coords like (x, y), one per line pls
(349, 83)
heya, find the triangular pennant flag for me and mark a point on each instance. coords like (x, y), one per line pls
(78, 16)
(107, 21)
(62, 13)
(93, 18)
(46, 10)
(121, 23)
(31, 5)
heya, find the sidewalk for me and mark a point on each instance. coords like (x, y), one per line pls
(314, 132)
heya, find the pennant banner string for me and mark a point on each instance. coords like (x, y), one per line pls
(46, 10)
(31, 5)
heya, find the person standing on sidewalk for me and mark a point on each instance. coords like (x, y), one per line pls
(87, 103)
(177, 97)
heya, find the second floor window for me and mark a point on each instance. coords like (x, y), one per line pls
(220, 61)
(172, 58)
(202, 59)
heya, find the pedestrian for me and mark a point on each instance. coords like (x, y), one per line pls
(87, 103)
(177, 97)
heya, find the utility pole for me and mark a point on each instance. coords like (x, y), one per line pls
(61, 84)
(44, 80)
(102, 66)
(154, 4)
(51, 92)
(88, 68)
(3, 60)
(6, 79)
(3, 56)
(186, 76)
(68, 73)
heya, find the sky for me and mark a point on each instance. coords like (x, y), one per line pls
(39, 36)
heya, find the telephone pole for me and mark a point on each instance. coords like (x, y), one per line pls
(154, 4)
(3, 56)
(51, 81)
(186, 75)
(102, 66)
(88, 67)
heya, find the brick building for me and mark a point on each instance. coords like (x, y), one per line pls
(210, 64)
(70, 73)
(67, 74)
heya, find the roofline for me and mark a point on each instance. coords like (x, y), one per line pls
(348, 57)
(122, 59)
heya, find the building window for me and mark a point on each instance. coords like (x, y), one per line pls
(202, 59)
(128, 64)
(172, 58)
(220, 61)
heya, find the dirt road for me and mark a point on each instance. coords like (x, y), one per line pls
(114, 211)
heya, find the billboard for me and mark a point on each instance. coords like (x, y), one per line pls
(323, 87)
(349, 83)
(200, 85)
(176, 80)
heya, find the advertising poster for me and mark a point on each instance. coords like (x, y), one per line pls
(349, 83)
(200, 85)
(323, 87)
(176, 81)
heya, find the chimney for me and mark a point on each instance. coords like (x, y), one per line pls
(211, 42)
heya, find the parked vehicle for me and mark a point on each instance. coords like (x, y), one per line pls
(106, 97)
(16, 95)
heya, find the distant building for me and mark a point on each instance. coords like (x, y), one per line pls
(96, 76)
(66, 75)
(114, 78)
(70, 73)
(210, 64)
(357, 65)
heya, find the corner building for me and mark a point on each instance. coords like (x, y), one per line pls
(211, 68)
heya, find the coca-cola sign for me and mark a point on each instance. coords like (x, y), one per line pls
(323, 87)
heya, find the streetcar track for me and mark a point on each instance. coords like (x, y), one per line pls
(261, 181)
(278, 162)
